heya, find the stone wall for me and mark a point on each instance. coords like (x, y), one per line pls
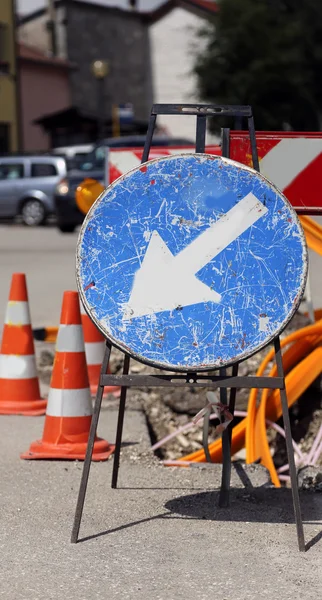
(121, 38)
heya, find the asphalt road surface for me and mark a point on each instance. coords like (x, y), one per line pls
(48, 259)
(161, 534)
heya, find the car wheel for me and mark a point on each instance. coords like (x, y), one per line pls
(66, 228)
(33, 213)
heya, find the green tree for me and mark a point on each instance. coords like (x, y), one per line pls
(266, 53)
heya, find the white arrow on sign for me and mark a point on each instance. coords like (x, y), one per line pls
(168, 282)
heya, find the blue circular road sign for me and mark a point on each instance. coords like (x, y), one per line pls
(191, 262)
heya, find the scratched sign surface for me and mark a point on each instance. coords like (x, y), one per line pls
(191, 262)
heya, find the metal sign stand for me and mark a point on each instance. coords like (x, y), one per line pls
(221, 380)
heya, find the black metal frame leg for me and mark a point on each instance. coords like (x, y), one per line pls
(89, 450)
(120, 422)
(290, 452)
(201, 133)
(226, 442)
(232, 402)
(205, 435)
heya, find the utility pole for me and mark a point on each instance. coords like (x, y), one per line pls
(51, 26)
(100, 69)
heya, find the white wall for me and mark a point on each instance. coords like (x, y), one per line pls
(34, 33)
(28, 6)
(174, 42)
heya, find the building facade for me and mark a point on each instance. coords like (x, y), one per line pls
(175, 40)
(119, 37)
(150, 55)
(9, 109)
(44, 88)
(84, 33)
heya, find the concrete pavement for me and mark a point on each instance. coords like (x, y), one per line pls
(48, 259)
(160, 535)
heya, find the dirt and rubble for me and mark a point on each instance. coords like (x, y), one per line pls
(167, 410)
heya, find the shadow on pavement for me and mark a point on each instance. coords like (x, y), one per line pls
(261, 505)
(258, 506)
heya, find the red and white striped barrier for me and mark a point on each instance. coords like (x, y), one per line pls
(291, 160)
(121, 160)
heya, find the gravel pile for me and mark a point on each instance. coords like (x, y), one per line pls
(169, 409)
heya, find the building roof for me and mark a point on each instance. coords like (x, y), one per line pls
(73, 116)
(33, 54)
(207, 5)
(200, 7)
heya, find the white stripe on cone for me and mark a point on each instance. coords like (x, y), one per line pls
(17, 367)
(17, 313)
(94, 352)
(70, 339)
(69, 403)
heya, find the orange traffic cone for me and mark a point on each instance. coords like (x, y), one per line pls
(19, 385)
(94, 350)
(69, 409)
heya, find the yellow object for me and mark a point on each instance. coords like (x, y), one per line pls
(299, 350)
(313, 234)
(9, 100)
(86, 194)
(116, 121)
(296, 382)
(45, 334)
(100, 68)
(306, 341)
(290, 358)
(51, 334)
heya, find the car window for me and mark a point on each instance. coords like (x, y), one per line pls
(93, 160)
(43, 170)
(96, 158)
(80, 154)
(11, 171)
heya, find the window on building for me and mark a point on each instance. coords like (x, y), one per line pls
(9, 171)
(4, 38)
(43, 170)
(4, 138)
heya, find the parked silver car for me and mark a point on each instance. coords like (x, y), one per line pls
(27, 186)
